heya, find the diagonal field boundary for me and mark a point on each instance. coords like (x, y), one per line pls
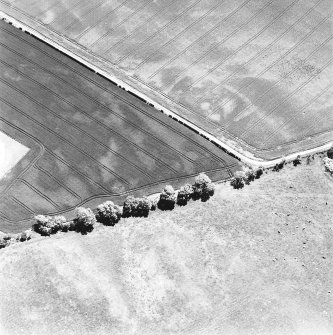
(84, 60)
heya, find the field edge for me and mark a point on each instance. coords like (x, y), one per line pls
(99, 66)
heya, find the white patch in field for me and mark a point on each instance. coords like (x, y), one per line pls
(49, 17)
(228, 106)
(11, 152)
(215, 117)
(205, 106)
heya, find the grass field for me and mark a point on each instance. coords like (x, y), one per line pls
(88, 139)
(253, 261)
(254, 73)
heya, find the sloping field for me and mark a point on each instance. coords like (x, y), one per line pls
(256, 74)
(88, 139)
(251, 262)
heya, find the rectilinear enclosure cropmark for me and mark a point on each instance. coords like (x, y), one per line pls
(11, 152)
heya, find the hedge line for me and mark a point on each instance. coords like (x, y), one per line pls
(110, 214)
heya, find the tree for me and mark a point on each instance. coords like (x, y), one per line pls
(297, 160)
(144, 207)
(250, 175)
(130, 206)
(108, 213)
(203, 187)
(47, 225)
(167, 198)
(279, 166)
(84, 220)
(184, 195)
(208, 192)
(237, 181)
(153, 203)
(259, 172)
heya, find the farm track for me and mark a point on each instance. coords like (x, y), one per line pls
(72, 158)
(107, 196)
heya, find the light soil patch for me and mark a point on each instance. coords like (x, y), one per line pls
(255, 261)
(11, 152)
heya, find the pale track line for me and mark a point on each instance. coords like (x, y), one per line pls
(266, 48)
(252, 160)
(4, 216)
(32, 162)
(83, 15)
(127, 102)
(66, 10)
(136, 29)
(55, 4)
(40, 193)
(121, 59)
(178, 35)
(105, 126)
(256, 123)
(201, 37)
(262, 96)
(137, 10)
(21, 204)
(41, 153)
(309, 103)
(82, 174)
(29, 97)
(267, 69)
(59, 182)
(157, 139)
(67, 141)
(102, 19)
(124, 119)
(199, 59)
(243, 45)
(131, 191)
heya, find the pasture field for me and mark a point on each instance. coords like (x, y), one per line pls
(256, 261)
(88, 140)
(256, 74)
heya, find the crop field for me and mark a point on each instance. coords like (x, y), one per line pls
(82, 139)
(256, 74)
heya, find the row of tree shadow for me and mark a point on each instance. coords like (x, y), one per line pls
(248, 175)
(110, 214)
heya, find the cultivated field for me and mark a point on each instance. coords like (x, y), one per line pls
(256, 261)
(88, 139)
(254, 73)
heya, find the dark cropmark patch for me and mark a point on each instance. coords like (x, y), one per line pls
(90, 140)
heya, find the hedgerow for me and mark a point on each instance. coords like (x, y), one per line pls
(84, 220)
(109, 214)
(203, 188)
(167, 199)
(184, 195)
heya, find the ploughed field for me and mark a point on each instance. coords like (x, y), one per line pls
(88, 140)
(254, 73)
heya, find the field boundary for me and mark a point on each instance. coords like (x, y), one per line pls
(243, 156)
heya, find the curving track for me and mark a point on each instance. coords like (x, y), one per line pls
(89, 139)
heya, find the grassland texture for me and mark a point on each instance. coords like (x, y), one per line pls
(88, 139)
(255, 73)
(252, 262)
